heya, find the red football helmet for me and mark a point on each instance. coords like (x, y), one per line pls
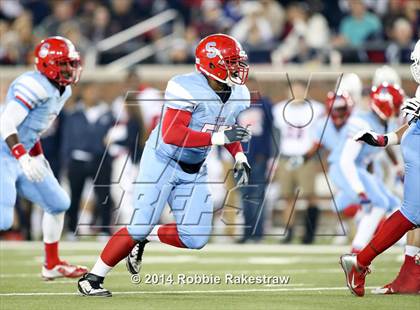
(57, 59)
(386, 100)
(339, 106)
(222, 58)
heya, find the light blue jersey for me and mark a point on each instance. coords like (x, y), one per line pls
(359, 121)
(43, 101)
(327, 134)
(161, 180)
(192, 93)
(410, 147)
(339, 171)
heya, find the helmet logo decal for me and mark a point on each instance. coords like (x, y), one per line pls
(211, 49)
(43, 52)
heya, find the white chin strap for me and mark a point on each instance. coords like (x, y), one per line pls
(228, 81)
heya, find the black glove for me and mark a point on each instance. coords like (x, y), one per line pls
(371, 138)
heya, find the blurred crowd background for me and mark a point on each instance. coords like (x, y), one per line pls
(95, 145)
(271, 31)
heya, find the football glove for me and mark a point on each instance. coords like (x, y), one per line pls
(241, 170)
(235, 133)
(33, 168)
(43, 161)
(411, 107)
(371, 138)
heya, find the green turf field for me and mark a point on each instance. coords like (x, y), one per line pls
(316, 280)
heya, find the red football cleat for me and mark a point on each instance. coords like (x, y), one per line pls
(407, 281)
(355, 274)
(63, 270)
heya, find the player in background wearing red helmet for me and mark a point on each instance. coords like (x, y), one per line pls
(33, 101)
(356, 267)
(328, 133)
(201, 110)
(375, 198)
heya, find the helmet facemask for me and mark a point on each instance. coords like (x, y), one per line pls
(68, 71)
(340, 107)
(236, 67)
(415, 68)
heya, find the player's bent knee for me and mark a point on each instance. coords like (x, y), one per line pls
(60, 203)
(139, 232)
(194, 242)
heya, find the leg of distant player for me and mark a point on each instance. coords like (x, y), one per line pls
(102, 173)
(286, 179)
(408, 279)
(381, 202)
(306, 182)
(231, 206)
(49, 195)
(7, 190)
(253, 203)
(77, 175)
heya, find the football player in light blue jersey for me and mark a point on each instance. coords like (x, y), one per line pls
(330, 131)
(402, 221)
(349, 164)
(201, 110)
(33, 101)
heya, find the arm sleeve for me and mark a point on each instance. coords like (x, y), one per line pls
(234, 148)
(36, 149)
(351, 150)
(175, 130)
(11, 117)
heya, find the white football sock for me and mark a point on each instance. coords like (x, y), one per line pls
(411, 250)
(153, 236)
(367, 227)
(52, 226)
(100, 268)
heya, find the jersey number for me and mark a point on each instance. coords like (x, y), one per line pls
(212, 128)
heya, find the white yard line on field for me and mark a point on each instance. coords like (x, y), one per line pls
(211, 248)
(200, 260)
(273, 290)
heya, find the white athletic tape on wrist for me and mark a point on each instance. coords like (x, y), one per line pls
(392, 138)
(218, 138)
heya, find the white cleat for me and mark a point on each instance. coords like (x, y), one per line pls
(63, 270)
